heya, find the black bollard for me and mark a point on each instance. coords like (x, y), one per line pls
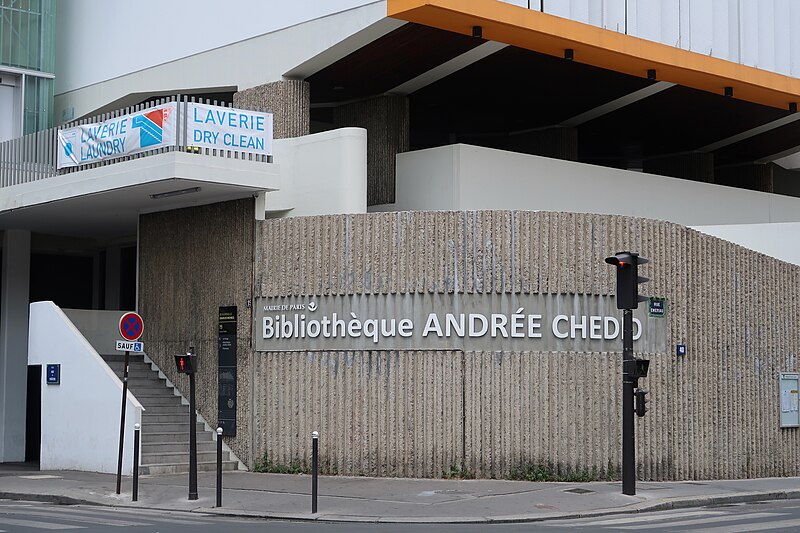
(314, 467)
(219, 467)
(136, 432)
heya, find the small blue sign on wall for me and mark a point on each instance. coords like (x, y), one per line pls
(54, 374)
(680, 349)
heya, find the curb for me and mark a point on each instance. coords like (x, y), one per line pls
(661, 505)
(48, 498)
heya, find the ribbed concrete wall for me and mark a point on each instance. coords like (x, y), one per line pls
(386, 119)
(288, 100)
(714, 413)
(191, 262)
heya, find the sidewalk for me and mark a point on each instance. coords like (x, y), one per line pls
(386, 500)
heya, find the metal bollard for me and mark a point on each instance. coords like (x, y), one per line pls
(136, 431)
(314, 467)
(219, 467)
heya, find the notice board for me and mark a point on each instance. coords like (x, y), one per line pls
(226, 371)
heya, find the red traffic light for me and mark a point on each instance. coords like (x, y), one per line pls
(621, 259)
(628, 278)
(186, 363)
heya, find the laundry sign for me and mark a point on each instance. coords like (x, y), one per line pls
(227, 128)
(187, 124)
(129, 134)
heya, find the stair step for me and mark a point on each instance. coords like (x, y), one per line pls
(132, 365)
(136, 373)
(166, 437)
(165, 423)
(156, 393)
(160, 404)
(177, 457)
(146, 385)
(175, 447)
(120, 358)
(163, 427)
(172, 418)
(172, 409)
(147, 375)
(183, 468)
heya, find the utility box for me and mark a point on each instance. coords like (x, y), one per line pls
(790, 399)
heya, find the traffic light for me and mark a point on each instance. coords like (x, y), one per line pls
(186, 363)
(628, 278)
(636, 368)
(641, 401)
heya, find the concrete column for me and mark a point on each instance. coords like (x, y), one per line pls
(112, 277)
(289, 101)
(696, 166)
(14, 304)
(557, 142)
(386, 119)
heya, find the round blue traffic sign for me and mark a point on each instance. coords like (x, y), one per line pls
(131, 326)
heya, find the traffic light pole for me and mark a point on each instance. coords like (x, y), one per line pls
(628, 437)
(192, 442)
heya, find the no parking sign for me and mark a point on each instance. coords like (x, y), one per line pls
(131, 326)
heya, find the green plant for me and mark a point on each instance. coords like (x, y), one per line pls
(541, 472)
(457, 472)
(266, 465)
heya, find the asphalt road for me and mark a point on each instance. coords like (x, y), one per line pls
(780, 516)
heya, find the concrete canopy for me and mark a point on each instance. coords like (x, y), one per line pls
(638, 100)
(105, 202)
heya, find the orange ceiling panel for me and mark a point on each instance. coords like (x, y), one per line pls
(548, 34)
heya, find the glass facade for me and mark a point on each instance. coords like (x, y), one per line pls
(38, 109)
(27, 42)
(27, 34)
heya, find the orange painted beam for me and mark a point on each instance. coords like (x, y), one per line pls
(548, 34)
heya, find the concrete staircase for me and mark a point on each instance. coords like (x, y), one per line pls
(165, 424)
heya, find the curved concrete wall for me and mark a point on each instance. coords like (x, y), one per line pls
(713, 413)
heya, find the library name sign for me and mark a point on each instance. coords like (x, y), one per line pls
(476, 322)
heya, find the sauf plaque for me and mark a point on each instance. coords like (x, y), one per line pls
(226, 410)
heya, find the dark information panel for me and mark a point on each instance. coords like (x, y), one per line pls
(226, 406)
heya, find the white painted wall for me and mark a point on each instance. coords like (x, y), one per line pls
(470, 177)
(84, 85)
(321, 174)
(102, 39)
(780, 240)
(757, 33)
(80, 417)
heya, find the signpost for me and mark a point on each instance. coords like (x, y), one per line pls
(131, 327)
